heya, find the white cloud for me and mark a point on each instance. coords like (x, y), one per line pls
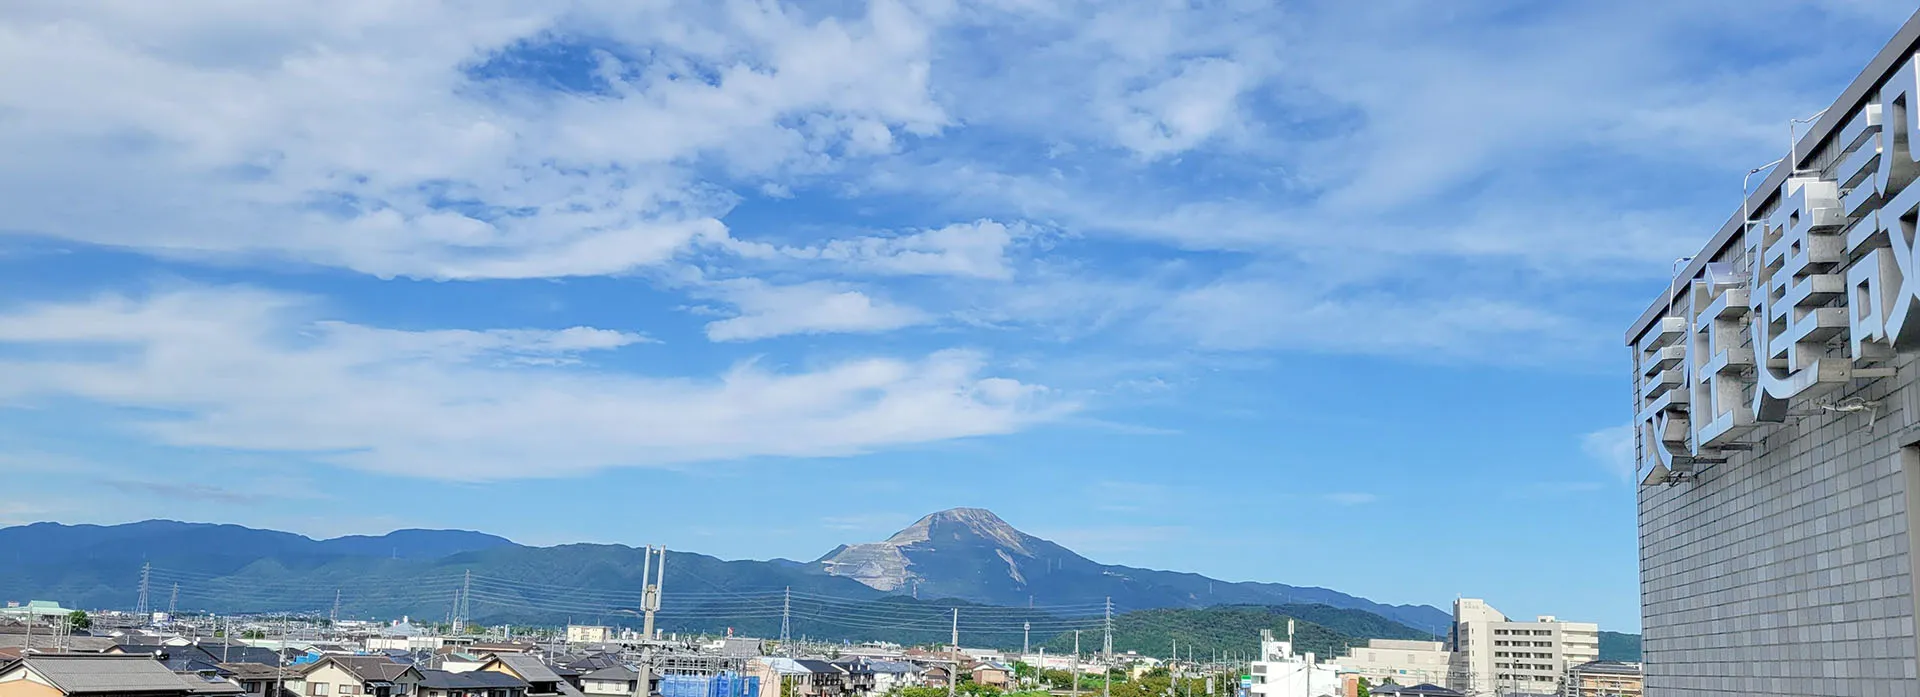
(1185, 110)
(970, 250)
(253, 370)
(820, 307)
(1612, 449)
(356, 135)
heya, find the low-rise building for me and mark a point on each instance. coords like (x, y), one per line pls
(90, 675)
(479, 683)
(991, 674)
(344, 676)
(541, 679)
(588, 634)
(260, 679)
(613, 680)
(1282, 673)
(1402, 662)
(1604, 679)
(821, 679)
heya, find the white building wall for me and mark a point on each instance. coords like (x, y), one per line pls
(1493, 655)
(1403, 662)
(1283, 674)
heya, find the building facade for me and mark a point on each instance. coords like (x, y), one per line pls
(1282, 673)
(1777, 427)
(1492, 655)
(588, 634)
(1605, 679)
(1401, 662)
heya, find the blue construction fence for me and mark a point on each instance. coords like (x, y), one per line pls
(725, 684)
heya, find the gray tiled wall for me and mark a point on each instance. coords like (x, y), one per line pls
(1785, 571)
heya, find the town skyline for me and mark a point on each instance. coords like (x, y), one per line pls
(1211, 288)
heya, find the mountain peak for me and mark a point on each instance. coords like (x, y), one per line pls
(956, 522)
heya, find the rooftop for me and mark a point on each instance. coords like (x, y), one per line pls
(92, 673)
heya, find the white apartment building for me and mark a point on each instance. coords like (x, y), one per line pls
(1281, 673)
(1493, 655)
(1402, 662)
(588, 634)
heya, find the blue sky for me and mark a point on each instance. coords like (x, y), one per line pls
(1274, 292)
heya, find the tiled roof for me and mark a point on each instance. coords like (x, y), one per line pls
(102, 673)
(529, 667)
(471, 680)
(366, 668)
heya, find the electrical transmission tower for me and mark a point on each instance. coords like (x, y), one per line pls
(786, 623)
(333, 616)
(173, 602)
(463, 604)
(146, 577)
(1106, 690)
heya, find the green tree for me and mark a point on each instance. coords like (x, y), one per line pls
(1364, 687)
(78, 619)
(254, 634)
(1023, 671)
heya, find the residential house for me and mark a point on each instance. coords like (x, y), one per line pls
(992, 674)
(891, 675)
(541, 679)
(614, 680)
(821, 679)
(936, 675)
(456, 661)
(371, 676)
(236, 652)
(211, 683)
(47, 640)
(856, 677)
(259, 679)
(479, 683)
(588, 664)
(90, 675)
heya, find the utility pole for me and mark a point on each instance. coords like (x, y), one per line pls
(955, 656)
(650, 593)
(786, 623)
(1076, 663)
(1106, 689)
(146, 576)
(280, 674)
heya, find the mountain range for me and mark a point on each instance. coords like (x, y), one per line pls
(968, 555)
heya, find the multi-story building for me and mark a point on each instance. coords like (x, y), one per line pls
(588, 634)
(1604, 679)
(1492, 655)
(1400, 662)
(1282, 673)
(1777, 417)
